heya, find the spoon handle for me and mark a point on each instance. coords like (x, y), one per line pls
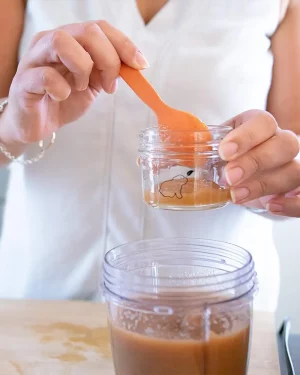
(143, 89)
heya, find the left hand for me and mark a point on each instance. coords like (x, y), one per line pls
(285, 205)
(261, 157)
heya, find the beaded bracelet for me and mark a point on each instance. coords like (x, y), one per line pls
(32, 160)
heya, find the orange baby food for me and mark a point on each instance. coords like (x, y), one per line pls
(220, 354)
(183, 191)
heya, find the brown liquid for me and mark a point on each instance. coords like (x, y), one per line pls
(136, 354)
(182, 191)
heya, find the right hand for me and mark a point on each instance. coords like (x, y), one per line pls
(61, 75)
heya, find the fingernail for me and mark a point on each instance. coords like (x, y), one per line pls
(234, 175)
(238, 195)
(141, 61)
(114, 86)
(228, 150)
(274, 207)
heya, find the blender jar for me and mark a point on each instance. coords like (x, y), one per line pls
(179, 307)
(182, 170)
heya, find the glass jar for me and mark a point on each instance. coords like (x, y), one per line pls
(179, 307)
(182, 170)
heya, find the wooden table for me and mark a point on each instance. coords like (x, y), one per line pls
(71, 338)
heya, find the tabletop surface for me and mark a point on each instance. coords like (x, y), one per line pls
(71, 338)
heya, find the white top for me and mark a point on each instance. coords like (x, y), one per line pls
(207, 57)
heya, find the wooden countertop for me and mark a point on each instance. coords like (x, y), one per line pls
(71, 338)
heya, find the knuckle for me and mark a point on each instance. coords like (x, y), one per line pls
(86, 66)
(57, 37)
(291, 141)
(269, 121)
(38, 37)
(263, 188)
(89, 62)
(255, 163)
(48, 76)
(103, 24)
(89, 30)
(115, 63)
(249, 134)
(88, 27)
(81, 25)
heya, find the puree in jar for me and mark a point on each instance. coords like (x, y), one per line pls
(183, 191)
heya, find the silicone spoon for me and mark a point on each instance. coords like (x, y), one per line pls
(168, 118)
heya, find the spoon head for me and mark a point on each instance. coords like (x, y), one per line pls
(184, 129)
(173, 119)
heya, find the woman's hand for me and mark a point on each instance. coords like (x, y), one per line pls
(60, 77)
(261, 158)
(285, 205)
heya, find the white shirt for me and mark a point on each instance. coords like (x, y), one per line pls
(208, 57)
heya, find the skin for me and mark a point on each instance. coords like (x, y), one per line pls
(148, 9)
(11, 27)
(63, 72)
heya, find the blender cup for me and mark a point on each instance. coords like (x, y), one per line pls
(179, 307)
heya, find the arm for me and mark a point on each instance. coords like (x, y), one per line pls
(284, 96)
(60, 77)
(11, 27)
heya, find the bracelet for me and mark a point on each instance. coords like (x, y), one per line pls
(36, 158)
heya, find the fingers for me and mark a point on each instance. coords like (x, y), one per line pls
(277, 181)
(275, 152)
(41, 81)
(101, 50)
(59, 46)
(125, 48)
(80, 47)
(256, 129)
(285, 206)
(260, 157)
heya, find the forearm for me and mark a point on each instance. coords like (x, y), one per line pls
(11, 27)
(284, 96)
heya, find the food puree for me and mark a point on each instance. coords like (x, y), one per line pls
(222, 354)
(183, 191)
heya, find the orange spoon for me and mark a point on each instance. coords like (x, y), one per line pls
(183, 124)
(168, 118)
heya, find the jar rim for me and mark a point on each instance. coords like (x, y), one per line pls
(243, 277)
(211, 128)
(163, 141)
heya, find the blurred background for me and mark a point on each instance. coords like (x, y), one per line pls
(287, 238)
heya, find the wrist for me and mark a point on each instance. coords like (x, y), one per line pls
(10, 147)
(8, 136)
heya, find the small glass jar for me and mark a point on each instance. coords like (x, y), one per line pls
(182, 170)
(179, 306)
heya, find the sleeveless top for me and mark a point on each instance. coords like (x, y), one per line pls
(208, 57)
